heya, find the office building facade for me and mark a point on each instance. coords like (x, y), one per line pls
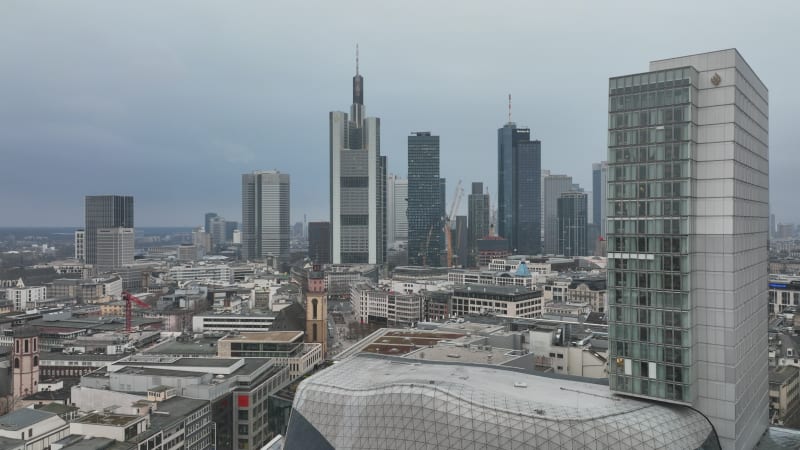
(477, 220)
(688, 229)
(425, 202)
(554, 186)
(599, 195)
(357, 184)
(319, 242)
(397, 209)
(519, 163)
(114, 248)
(105, 211)
(265, 216)
(572, 224)
(80, 245)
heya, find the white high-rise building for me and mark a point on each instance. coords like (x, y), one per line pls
(688, 192)
(114, 248)
(265, 216)
(396, 209)
(80, 245)
(357, 184)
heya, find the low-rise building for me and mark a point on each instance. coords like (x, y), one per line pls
(784, 292)
(284, 347)
(26, 297)
(202, 272)
(784, 395)
(590, 290)
(232, 322)
(371, 304)
(510, 301)
(37, 429)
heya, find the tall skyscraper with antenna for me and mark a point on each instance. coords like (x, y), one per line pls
(357, 183)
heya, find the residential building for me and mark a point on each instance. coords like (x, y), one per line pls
(357, 184)
(102, 212)
(265, 217)
(687, 239)
(396, 209)
(519, 163)
(319, 242)
(572, 225)
(477, 221)
(425, 202)
(600, 195)
(554, 186)
(25, 297)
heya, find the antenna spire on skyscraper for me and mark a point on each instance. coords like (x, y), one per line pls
(356, 59)
(509, 108)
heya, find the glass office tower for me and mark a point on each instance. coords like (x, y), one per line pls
(519, 198)
(687, 239)
(425, 201)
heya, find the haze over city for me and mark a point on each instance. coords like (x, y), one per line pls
(172, 102)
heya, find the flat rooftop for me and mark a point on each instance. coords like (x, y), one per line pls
(113, 420)
(200, 347)
(265, 336)
(474, 354)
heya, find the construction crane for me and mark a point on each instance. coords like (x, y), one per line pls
(450, 218)
(129, 301)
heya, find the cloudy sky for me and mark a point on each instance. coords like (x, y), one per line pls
(172, 101)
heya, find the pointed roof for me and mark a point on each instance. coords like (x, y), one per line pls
(522, 270)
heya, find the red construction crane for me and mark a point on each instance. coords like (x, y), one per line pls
(129, 300)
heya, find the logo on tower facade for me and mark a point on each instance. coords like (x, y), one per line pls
(716, 79)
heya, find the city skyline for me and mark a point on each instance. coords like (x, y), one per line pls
(91, 111)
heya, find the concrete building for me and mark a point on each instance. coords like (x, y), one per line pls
(105, 211)
(784, 395)
(25, 297)
(492, 247)
(519, 163)
(265, 217)
(572, 224)
(286, 348)
(509, 301)
(231, 322)
(687, 239)
(80, 245)
(784, 292)
(600, 196)
(372, 304)
(319, 242)
(477, 220)
(202, 272)
(425, 203)
(36, 429)
(553, 186)
(396, 210)
(114, 248)
(357, 184)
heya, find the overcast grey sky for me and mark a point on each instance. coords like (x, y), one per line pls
(172, 101)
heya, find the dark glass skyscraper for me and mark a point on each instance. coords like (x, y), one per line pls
(519, 189)
(572, 208)
(425, 202)
(105, 211)
(478, 220)
(319, 242)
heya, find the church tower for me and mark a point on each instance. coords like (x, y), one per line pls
(25, 362)
(317, 308)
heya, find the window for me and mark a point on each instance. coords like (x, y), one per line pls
(26, 346)
(35, 361)
(314, 308)
(16, 363)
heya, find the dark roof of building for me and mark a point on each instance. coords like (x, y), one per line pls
(23, 332)
(291, 318)
(777, 438)
(10, 444)
(510, 291)
(56, 408)
(61, 394)
(595, 317)
(594, 284)
(77, 357)
(779, 375)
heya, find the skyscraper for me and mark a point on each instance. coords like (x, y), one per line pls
(265, 216)
(554, 186)
(572, 224)
(519, 183)
(477, 220)
(114, 248)
(207, 224)
(425, 202)
(688, 247)
(357, 184)
(105, 211)
(319, 242)
(600, 196)
(397, 209)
